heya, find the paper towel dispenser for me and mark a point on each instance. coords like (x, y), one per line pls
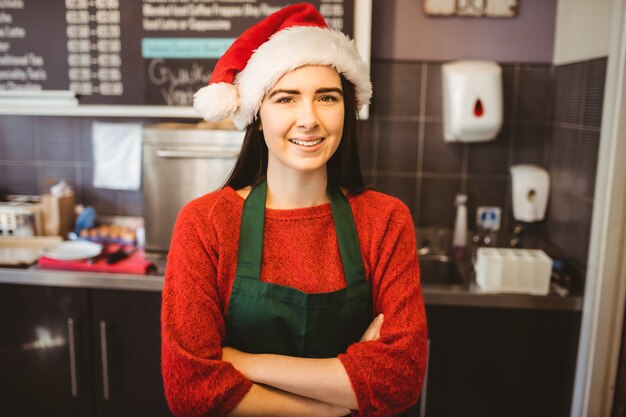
(531, 187)
(472, 101)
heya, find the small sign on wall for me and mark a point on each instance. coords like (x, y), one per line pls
(475, 8)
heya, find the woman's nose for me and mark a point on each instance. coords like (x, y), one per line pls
(307, 116)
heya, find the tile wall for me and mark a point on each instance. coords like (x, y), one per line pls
(551, 118)
(38, 151)
(405, 153)
(573, 150)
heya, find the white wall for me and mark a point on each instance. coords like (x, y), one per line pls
(401, 31)
(582, 30)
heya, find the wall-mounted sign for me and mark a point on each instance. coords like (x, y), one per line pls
(476, 8)
(134, 52)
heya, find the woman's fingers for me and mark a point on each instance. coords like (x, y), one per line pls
(373, 331)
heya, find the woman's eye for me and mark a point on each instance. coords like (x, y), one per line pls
(284, 100)
(328, 99)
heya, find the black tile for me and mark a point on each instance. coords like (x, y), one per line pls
(397, 146)
(484, 193)
(400, 187)
(569, 224)
(534, 101)
(569, 92)
(558, 222)
(18, 179)
(594, 95)
(588, 163)
(367, 140)
(490, 158)
(440, 156)
(56, 136)
(17, 138)
(85, 141)
(434, 89)
(563, 158)
(529, 144)
(396, 88)
(131, 203)
(437, 202)
(583, 216)
(508, 90)
(47, 176)
(508, 222)
(103, 200)
(369, 181)
(85, 180)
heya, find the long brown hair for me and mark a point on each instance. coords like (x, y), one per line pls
(343, 168)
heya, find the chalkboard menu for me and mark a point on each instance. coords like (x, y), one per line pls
(129, 52)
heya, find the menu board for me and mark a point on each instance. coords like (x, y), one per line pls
(130, 52)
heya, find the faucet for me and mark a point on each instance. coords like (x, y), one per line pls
(518, 234)
(425, 247)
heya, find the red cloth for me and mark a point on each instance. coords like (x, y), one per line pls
(386, 374)
(136, 263)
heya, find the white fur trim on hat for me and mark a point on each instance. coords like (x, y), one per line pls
(292, 48)
(216, 101)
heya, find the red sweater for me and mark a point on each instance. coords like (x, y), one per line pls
(386, 374)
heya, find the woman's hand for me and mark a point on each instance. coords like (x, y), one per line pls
(246, 363)
(373, 331)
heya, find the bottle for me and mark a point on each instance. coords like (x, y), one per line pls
(459, 239)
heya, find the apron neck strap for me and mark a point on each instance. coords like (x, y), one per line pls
(250, 253)
(347, 238)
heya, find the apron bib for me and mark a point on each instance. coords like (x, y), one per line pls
(270, 318)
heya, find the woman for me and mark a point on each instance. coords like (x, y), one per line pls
(292, 291)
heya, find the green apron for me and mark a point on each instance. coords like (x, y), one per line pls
(270, 318)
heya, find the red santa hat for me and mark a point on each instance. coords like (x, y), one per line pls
(294, 36)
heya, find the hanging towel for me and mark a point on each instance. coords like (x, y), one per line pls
(117, 155)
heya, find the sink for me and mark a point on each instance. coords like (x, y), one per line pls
(439, 270)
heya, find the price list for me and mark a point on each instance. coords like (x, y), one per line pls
(94, 47)
(130, 52)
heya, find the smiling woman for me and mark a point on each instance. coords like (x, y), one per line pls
(317, 305)
(302, 120)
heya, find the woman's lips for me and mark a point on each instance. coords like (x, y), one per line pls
(306, 144)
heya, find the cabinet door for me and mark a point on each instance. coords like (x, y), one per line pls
(127, 354)
(497, 362)
(44, 351)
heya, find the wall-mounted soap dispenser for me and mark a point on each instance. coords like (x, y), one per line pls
(472, 100)
(531, 186)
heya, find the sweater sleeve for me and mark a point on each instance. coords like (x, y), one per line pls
(387, 374)
(196, 381)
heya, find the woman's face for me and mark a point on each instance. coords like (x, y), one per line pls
(302, 119)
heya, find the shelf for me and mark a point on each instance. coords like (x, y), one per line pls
(92, 110)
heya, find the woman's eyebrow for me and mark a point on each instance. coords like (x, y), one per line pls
(329, 90)
(297, 92)
(292, 92)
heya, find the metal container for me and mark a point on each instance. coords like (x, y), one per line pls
(18, 219)
(178, 166)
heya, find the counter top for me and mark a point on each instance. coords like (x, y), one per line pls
(472, 296)
(455, 295)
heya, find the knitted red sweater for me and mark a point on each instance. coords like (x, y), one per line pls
(300, 251)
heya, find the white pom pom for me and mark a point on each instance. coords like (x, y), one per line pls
(216, 101)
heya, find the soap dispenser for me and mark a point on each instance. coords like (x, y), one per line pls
(531, 186)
